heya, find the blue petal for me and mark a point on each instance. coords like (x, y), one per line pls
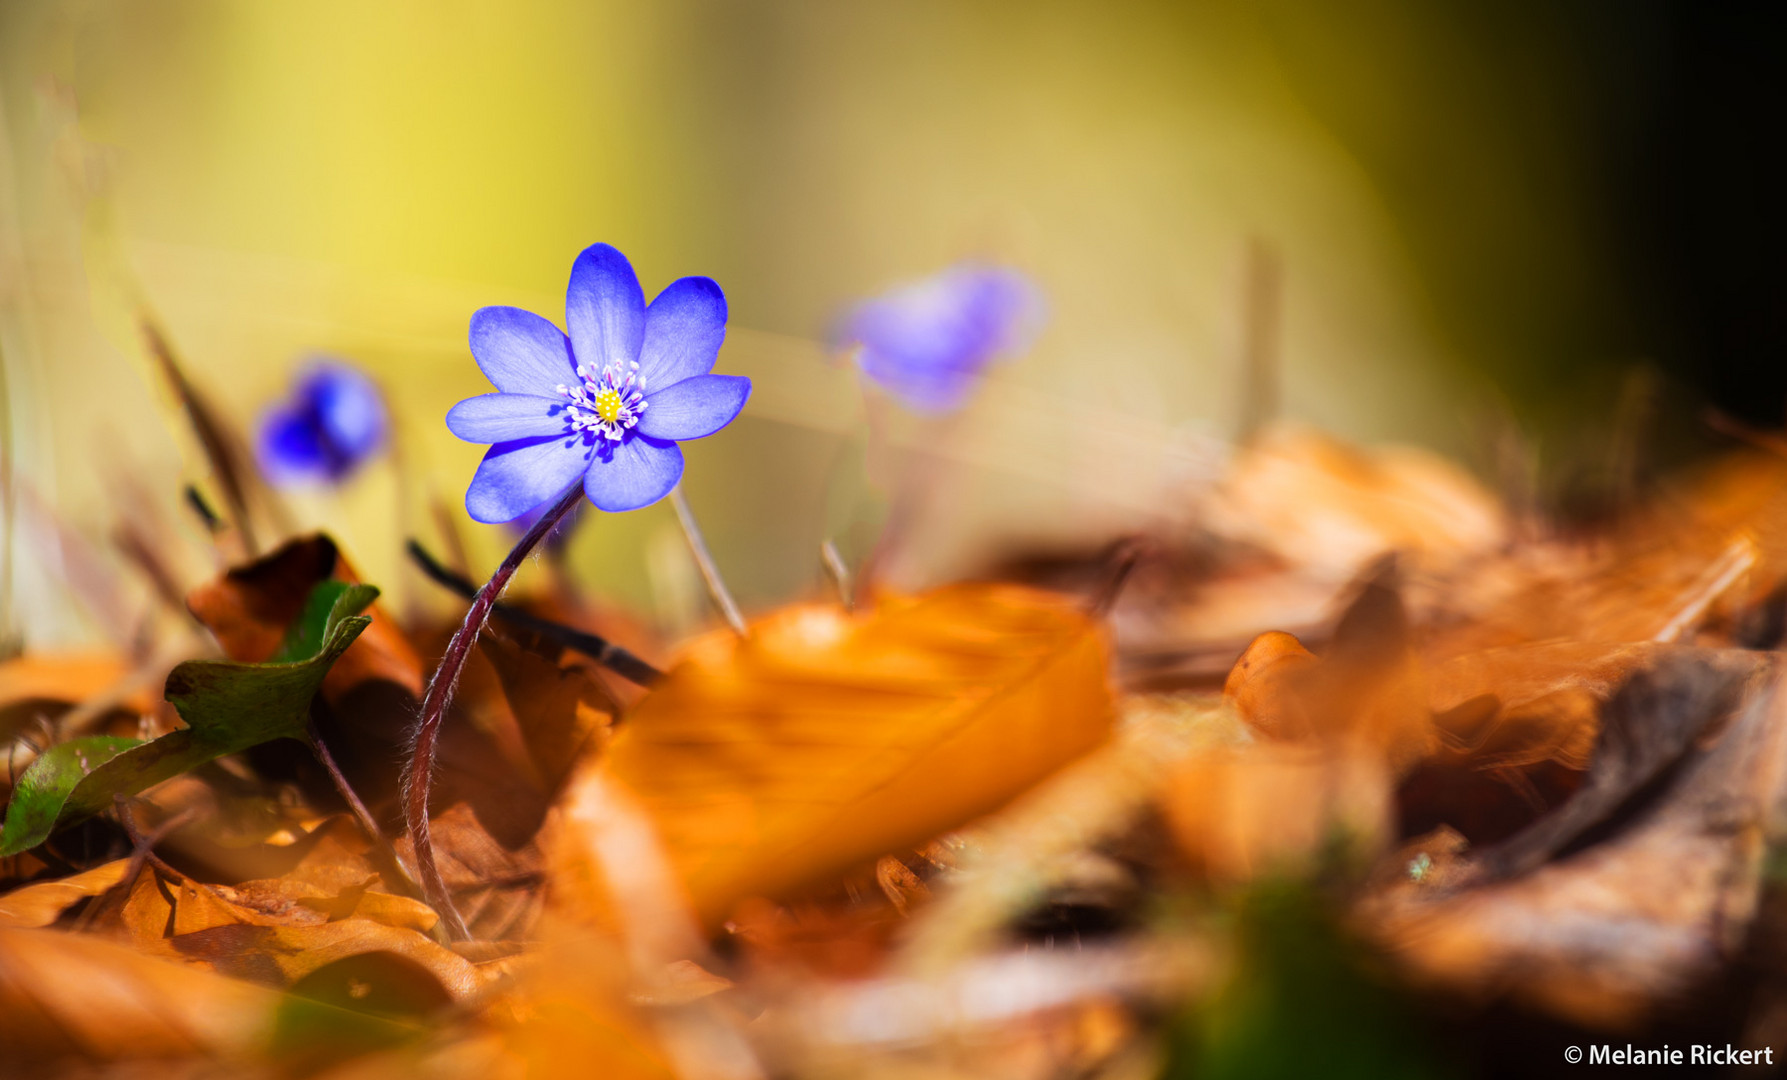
(289, 447)
(928, 342)
(694, 407)
(349, 408)
(641, 471)
(517, 476)
(494, 418)
(604, 308)
(519, 352)
(683, 331)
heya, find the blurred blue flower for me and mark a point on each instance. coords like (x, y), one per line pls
(928, 342)
(333, 420)
(608, 404)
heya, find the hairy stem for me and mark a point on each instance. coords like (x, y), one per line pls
(418, 778)
(716, 586)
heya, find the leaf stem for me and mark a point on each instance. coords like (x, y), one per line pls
(716, 586)
(420, 774)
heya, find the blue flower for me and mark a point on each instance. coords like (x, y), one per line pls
(608, 404)
(333, 420)
(928, 342)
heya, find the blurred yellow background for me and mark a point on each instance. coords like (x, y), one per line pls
(357, 178)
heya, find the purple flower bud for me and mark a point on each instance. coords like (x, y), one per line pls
(928, 342)
(331, 422)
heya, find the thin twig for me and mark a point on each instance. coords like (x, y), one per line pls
(142, 849)
(195, 499)
(420, 773)
(143, 844)
(1123, 559)
(1732, 563)
(398, 875)
(838, 572)
(220, 452)
(597, 648)
(716, 586)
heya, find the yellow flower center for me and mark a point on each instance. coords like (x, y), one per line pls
(608, 405)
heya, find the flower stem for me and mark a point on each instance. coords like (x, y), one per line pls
(716, 586)
(434, 709)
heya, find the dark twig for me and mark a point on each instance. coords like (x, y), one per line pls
(397, 875)
(599, 649)
(143, 844)
(1122, 563)
(220, 452)
(142, 850)
(207, 516)
(420, 774)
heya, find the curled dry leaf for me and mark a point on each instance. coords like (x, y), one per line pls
(1366, 694)
(277, 944)
(823, 740)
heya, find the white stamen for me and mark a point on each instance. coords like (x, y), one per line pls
(608, 403)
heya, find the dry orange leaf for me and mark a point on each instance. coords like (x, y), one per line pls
(1317, 502)
(78, 996)
(210, 924)
(1274, 808)
(42, 902)
(824, 740)
(52, 682)
(1367, 689)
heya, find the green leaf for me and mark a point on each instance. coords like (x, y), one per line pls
(228, 707)
(38, 797)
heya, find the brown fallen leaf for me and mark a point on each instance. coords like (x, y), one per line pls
(50, 684)
(1317, 502)
(1517, 727)
(561, 712)
(496, 887)
(770, 763)
(43, 902)
(281, 955)
(249, 608)
(1276, 809)
(1654, 901)
(264, 936)
(77, 997)
(1366, 693)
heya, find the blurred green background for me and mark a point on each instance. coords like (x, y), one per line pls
(1484, 214)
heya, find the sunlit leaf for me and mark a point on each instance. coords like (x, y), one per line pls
(71, 996)
(42, 902)
(824, 740)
